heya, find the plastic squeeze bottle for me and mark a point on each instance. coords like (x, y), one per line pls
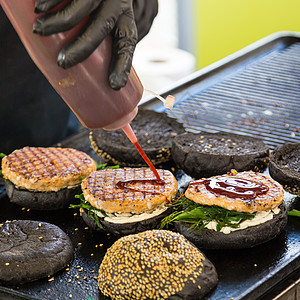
(84, 87)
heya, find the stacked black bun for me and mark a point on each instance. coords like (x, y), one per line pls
(155, 132)
(285, 166)
(246, 238)
(155, 264)
(207, 154)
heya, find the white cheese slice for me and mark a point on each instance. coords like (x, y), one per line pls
(123, 218)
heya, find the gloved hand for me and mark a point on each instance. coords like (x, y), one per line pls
(144, 13)
(105, 16)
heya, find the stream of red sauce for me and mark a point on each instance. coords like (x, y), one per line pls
(149, 163)
(233, 187)
(122, 184)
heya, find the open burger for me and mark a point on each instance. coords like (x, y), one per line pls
(126, 200)
(235, 210)
(45, 178)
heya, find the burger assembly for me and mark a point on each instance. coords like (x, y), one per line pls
(160, 233)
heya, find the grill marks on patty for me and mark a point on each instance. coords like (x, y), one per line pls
(270, 200)
(46, 169)
(101, 190)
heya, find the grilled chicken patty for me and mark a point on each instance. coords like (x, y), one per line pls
(271, 199)
(137, 194)
(47, 169)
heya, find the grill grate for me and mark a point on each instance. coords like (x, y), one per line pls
(262, 99)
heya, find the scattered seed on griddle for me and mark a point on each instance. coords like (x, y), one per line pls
(79, 244)
(255, 265)
(86, 228)
(51, 279)
(149, 141)
(70, 280)
(75, 214)
(7, 264)
(78, 282)
(76, 229)
(28, 209)
(76, 276)
(92, 254)
(70, 296)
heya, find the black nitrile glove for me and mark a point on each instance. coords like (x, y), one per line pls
(144, 13)
(105, 16)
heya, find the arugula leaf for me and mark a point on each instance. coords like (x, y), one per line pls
(200, 215)
(100, 166)
(89, 208)
(2, 155)
(294, 213)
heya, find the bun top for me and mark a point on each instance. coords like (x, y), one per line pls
(154, 264)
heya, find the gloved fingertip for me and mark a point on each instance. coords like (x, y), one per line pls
(61, 60)
(37, 10)
(37, 27)
(116, 82)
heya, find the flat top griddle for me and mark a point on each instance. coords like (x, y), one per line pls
(221, 97)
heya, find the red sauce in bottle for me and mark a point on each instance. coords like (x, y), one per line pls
(233, 187)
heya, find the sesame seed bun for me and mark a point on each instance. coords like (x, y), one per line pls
(156, 264)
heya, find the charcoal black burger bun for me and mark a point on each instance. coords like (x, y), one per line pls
(239, 239)
(285, 166)
(31, 250)
(120, 229)
(155, 264)
(154, 131)
(41, 200)
(207, 154)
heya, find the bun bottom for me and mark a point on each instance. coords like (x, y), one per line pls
(126, 228)
(239, 239)
(41, 200)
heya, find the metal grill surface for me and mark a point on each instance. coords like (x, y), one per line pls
(261, 99)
